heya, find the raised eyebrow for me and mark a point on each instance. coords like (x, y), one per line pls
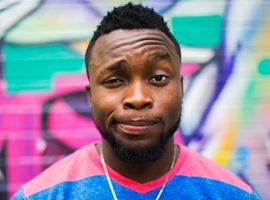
(158, 56)
(114, 66)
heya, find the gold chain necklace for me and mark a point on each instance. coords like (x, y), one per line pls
(110, 182)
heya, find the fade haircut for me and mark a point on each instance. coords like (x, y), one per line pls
(129, 17)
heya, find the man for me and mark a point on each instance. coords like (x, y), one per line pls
(135, 91)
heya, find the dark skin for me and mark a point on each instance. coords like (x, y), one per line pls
(135, 92)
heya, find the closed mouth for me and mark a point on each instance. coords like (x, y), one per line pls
(136, 127)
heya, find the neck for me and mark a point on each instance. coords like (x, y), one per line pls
(140, 172)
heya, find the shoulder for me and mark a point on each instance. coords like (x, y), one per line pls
(78, 165)
(197, 166)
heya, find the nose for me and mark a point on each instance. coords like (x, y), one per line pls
(137, 97)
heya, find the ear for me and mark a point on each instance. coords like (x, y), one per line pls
(182, 85)
(88, 93)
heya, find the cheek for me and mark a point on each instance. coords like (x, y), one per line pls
(173, 105)
(103, 103)
(169, 96)
(170, 103)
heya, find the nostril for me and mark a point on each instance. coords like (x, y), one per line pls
(128, 106)
(148, 105)
(138, 105)
(137, 97)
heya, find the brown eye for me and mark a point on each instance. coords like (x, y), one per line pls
(113, 82)
(159, 80)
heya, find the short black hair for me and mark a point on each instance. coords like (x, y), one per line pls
(129, 17)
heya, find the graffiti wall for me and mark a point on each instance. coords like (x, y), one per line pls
(44, 114)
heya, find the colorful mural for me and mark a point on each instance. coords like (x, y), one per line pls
(44, 114)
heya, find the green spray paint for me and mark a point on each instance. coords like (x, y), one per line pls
(198, 31)
(264, 67)
(32, 68)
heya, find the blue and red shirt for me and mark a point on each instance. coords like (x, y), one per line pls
(81, 176)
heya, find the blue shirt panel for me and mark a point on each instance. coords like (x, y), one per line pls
(179, 188)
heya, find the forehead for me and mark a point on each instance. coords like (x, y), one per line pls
(120, 42)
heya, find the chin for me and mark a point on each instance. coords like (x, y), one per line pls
(137, 143)
(137, 151)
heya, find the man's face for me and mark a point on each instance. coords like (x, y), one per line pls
(135, 91)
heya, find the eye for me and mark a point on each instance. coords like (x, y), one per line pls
(159, 80)
(113, 82)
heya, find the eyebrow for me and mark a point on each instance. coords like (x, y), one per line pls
(114, 67)
(159, 56)
(122, 63)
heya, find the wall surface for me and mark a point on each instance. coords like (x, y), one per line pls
(44, 114)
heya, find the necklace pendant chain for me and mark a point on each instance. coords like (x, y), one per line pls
(107, 176)
(110, 182)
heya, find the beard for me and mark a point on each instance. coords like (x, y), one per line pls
(141, 155)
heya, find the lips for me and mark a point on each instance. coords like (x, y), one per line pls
(136, 127)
